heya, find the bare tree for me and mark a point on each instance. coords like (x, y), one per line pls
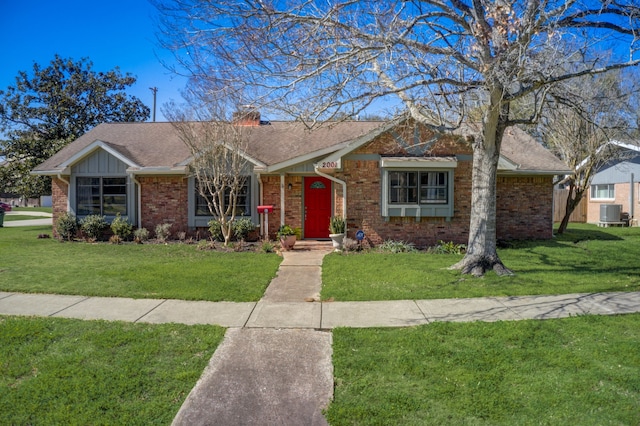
(317, 59)
(218, 158)
(584, 115)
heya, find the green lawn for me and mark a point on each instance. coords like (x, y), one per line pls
(574, 371)
(177, 271)
(585, 259)
(582, 370)
(61, 371)
(32, 209)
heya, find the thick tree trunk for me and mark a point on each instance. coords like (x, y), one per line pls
(482, 255)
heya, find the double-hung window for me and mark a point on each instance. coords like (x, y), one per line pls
(106, 196)
(417, 187)
(243, 201)
(424, 187)
(603, 191)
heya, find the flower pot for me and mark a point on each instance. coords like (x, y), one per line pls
(287, 242)
(337, 240)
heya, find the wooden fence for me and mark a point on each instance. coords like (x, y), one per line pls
(560, 203)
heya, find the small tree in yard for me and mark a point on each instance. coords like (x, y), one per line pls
(217, 145)
(435, 59)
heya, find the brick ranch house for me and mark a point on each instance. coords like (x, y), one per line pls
(391, 180)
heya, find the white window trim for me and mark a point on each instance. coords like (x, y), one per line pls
(591, 189)
(418, 164)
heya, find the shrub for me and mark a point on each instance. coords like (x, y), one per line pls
(93, 226)
(215, 228)
(115, 239)
(268, 247)
(242, 227)
(392, 246)
(121, 227)
(140, 235)
(66, 226)
(206, 245)
(349, 244)
(449, 248)
(163, 231)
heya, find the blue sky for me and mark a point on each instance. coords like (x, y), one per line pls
(110, 33)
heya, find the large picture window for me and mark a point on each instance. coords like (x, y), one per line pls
(413, 187)
(603, 192)
(106, 196)
(243, 204)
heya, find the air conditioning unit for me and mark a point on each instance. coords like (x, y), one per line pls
(610, 212)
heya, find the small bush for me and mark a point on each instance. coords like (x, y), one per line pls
(141, 235)
(268, 247)
(215, 229)
(115, 239)
(181, 236)
(242, 227)
(349, 244)
(93, 226)
(206, 245)
(163, 231)
(449, 248)
(392, 246)
(67, 226)
(121, 227)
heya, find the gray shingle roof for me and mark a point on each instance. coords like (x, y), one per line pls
(158, 144)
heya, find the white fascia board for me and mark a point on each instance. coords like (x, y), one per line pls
(180, 170)
(533, 172)
(419, 162)
(65, 171)
(298, 160)
(624, 145)
(93, 146)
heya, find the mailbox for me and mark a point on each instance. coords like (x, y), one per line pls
(265, 209)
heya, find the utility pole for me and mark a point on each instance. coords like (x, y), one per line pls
(154, 90)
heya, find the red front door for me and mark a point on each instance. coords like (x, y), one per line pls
(317, 207)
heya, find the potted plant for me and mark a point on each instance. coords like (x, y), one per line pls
(337, 229)
(287, 237)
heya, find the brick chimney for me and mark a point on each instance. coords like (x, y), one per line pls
(247, 116)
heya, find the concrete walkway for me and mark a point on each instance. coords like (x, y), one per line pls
(274, 365)
(40, 219)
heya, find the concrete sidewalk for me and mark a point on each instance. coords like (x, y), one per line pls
(40, 219)
(274, 365)
(316, 315)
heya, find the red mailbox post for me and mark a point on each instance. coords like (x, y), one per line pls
(265, 210)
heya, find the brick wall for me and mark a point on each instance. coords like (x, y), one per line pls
(524, 204)
(524, 207)
(621, 197)
(164, 199)
(59, 199)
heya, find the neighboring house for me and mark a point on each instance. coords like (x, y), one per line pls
(617, 183)
(390, 180)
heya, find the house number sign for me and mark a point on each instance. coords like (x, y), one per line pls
(330, 164)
